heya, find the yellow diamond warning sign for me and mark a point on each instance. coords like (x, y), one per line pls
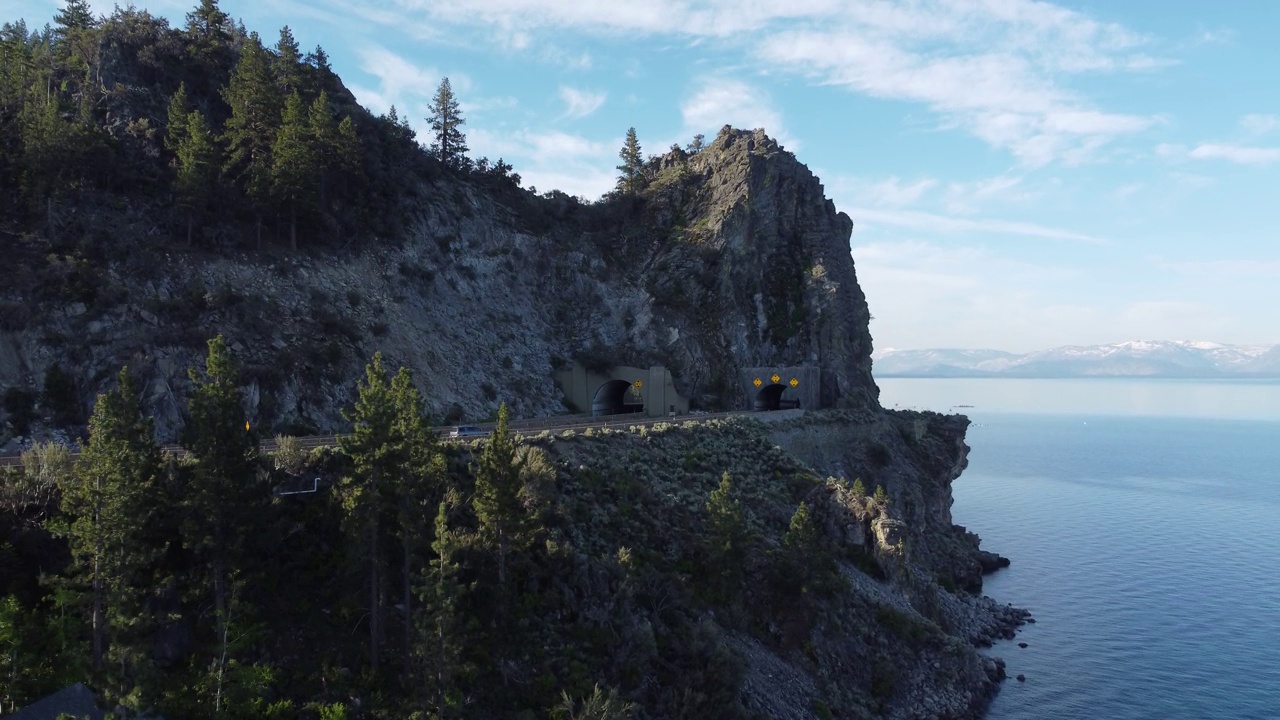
(795, 382)
(776, 378)
(757, 382)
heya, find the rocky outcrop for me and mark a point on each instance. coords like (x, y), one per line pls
(732, 257)
(896, 636)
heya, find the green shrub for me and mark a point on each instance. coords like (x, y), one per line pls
(858, 490)
(881, 497)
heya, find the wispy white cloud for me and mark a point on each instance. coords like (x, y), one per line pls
(946, 224)
(1240, 154)
(551, 160)
(401, 83)
(925, 294)
(891, 192)
(994, 68)
(718, 100)
(967, 198)
(580, 103)
(1257, 125)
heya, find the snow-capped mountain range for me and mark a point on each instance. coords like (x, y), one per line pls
(1141, 358)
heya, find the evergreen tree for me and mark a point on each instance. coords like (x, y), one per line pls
(57, 155)
(209, 32)
(441, 631)
(75, 16)
(251, 130)
(223, 492)
(197, 178)
(422, 470)
(288, 63)
(399, 128)
(326, 141)
(804, 556)
(497, 497)
(348, 154)
(699, 142)
(370, 490)
(109, 500)
(802, 537)
(632, 164)
(209, 23)
(16, 67)
(446, 120)
(176, 129)
(728, 538)
(319, 59)
(295, 163)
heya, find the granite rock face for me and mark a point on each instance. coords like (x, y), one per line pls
(730, 258)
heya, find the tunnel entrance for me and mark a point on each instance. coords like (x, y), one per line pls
(617, 397)
(770, 398)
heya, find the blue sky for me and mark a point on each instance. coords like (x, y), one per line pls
(1020, 174)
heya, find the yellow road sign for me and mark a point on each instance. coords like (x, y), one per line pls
(795, 382)
(757, 382)
(777, 378)
(638, 383)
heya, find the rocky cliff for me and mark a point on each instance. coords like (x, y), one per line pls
(732, 257)
(893, 632)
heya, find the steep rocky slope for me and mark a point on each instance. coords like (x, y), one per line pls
(731, 258)
(894, 633)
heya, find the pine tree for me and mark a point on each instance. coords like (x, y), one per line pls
(16, 67)
(209, 23)
(369, 491)
(441, 631)
(197, 178)
(399, 127)
(176, 129)
(632, 164)
(804, 557)
(422, 471)
(251, 130)
(727, 536)
(109, 499)
(327, 142)
(288, 63)
(224, 493)
(497, 497)
(446, 121)
(74, 17)
(209, 32)
(348, 156)
(295, 163)
(319, 59)
(348, 145)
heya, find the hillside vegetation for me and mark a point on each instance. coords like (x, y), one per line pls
(678, 571)
(172, 185)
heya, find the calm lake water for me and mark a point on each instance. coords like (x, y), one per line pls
(1143, 521)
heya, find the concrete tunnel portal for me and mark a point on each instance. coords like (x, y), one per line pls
(617, 397)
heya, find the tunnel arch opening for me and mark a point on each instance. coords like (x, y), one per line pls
(617, 397)
(770, 398)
